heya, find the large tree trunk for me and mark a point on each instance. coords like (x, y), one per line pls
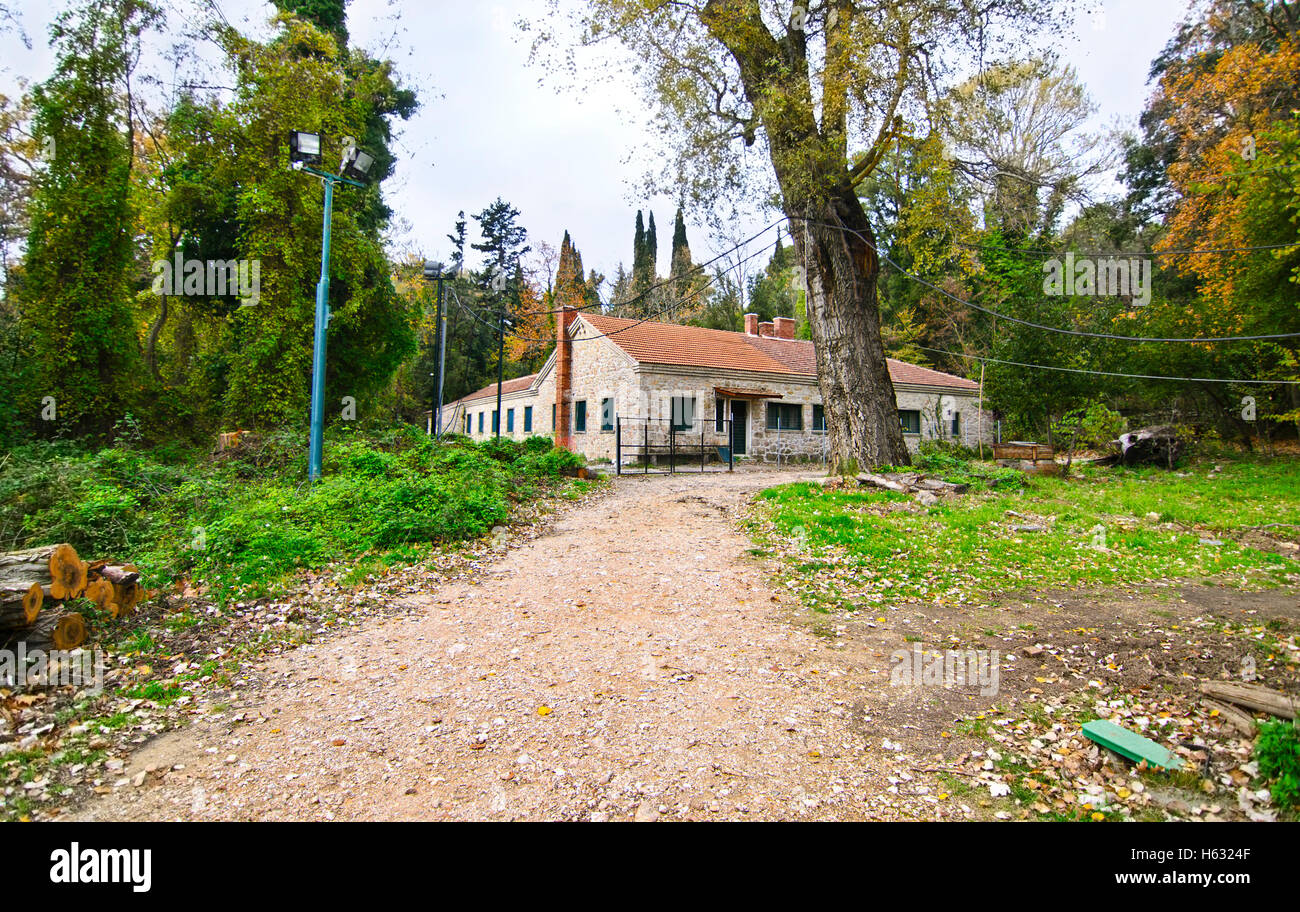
(836, 243)
(832, 237)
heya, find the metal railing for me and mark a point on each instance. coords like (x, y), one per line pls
(653, 439)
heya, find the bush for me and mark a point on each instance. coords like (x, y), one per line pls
(1278, 753)
(245, 519)
(502, 449)
(553, 463)
(1089, 428)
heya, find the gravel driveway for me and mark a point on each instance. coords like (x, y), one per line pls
(631, 664)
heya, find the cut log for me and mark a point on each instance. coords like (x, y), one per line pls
(67, 573)
(102, 593)
(19, 569)
(1239, 720)
(56, 567)
(1252, 696)
(69, 631)
(20, 607)
(939, 486)
(118, 575)
(881, 481)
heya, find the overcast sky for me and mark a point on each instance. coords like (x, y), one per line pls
(487, 127)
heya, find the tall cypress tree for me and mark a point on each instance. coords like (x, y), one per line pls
(570, 288)
(641, 269)
(680, 265)
(652, 249)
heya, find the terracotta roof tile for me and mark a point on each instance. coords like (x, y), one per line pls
(686, 346)
(509, 386)
(653, 342)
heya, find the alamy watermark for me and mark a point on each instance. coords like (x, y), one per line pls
(949, 668)
(81, 668)
(209, 278)
(1121, 277)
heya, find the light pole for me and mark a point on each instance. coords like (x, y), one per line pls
(305, 151)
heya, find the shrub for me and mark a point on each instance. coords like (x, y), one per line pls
(553, 463)
(1278, 753)
(1092, 427)
(245, 519)
(503, 449)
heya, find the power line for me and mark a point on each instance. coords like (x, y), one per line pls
(671, 279)
(1055, 329)
(1075, 370)
(1126, 255)
(694, 295)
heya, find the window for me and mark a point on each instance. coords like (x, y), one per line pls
(510, 421)
(480, 421)
(496, 421)
(683, 412)
(720, 416)
(468, 427)
(784, 417)
(911, 419)
(956, 424)
(607, 414)
(528, 419)
(553, 427)
(580, 416)
(819, 417)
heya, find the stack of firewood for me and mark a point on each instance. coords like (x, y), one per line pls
(37, 585)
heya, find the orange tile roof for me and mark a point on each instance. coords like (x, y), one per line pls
(653, 342)
(509, 386)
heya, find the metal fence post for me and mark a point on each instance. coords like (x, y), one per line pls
(618, 445)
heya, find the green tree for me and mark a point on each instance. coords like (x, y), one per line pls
(303, 77)
(810, 79)
(78, 271)
(642, 269)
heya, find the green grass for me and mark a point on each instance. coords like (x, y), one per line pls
(964, 549)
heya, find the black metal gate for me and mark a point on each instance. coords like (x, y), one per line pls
(646, 441)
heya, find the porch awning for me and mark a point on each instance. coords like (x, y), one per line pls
(745, 394)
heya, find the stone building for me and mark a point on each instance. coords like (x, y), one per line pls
(652, 388)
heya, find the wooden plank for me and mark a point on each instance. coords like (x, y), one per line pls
(1130, 744)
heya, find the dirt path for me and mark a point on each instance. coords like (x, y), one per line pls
(632, 664)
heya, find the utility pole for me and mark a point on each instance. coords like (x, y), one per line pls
(433, 273)
(499, 285)
(501, 366)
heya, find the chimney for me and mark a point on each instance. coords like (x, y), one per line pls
(784, 328)
(765, 330)
(751, 324)
(564, 377)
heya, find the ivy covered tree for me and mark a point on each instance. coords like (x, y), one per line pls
(79, 268)
(303, 77)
